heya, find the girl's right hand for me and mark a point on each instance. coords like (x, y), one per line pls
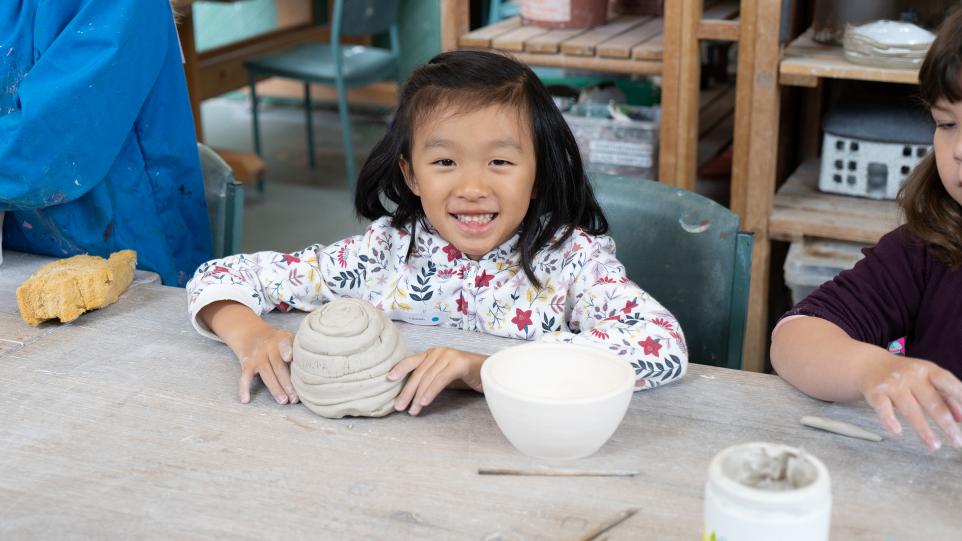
(268, 354)
(917, 389)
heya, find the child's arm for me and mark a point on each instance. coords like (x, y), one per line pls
(263, 350)
(263, 281)
(227, 297)
(837, 354)
(820, 359)
(608, 310)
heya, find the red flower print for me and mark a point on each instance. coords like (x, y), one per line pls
(629, 306)
(453, 253)
(604, 280)
(283, 306)
(219, 270)
(600, 334)
(522, 318)
(483, 280)
(342, 257)
(663, 323)
(640, 384)
(288, 258)
(651, 346)
(462, 305)
(681, 341)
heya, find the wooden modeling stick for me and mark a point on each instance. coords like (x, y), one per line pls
(839, 427)
(608, 524)
(558, 473)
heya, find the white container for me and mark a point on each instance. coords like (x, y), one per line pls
(557, 401)
(811, 263)
(767, 491)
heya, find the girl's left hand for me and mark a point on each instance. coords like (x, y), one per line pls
(431, 371)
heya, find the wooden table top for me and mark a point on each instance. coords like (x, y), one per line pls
(125, 423)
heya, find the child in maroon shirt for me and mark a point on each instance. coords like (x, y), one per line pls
(831, 345)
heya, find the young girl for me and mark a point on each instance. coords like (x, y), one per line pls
(492, 226)
(830, 344)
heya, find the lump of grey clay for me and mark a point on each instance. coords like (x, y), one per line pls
(342, 354)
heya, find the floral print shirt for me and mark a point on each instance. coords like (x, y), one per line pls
(585, 296)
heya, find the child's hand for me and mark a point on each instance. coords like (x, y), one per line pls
(917, 389)
(433, 370)
(268, 353)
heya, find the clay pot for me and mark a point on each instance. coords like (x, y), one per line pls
(564, 13)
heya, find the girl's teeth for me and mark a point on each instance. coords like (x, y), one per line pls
(475, 218)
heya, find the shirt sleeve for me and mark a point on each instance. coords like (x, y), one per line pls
(77, 105)
(263, 281)
(606, 309)
(877, 300)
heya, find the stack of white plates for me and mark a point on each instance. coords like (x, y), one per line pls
(887, 44)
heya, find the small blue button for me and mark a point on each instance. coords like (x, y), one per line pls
(435, 319)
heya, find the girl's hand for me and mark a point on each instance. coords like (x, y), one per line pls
(268, 354)
(431, 371)
(916, 388)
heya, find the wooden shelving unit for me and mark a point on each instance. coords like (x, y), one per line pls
(804, 62)
(665, 46)
(798, 209)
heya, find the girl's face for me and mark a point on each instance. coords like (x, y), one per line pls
(947, 142)
(474, 172)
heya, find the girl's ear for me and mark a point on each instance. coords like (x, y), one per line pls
(408, 174)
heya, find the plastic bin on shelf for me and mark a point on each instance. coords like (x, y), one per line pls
(627, 147)
(811, 263)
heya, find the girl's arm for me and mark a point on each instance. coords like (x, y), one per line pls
(264, 281)
(227, 297)
(837, 354)
(820, 359)
(607, 310)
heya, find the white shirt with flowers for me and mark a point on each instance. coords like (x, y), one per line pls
(585, 297)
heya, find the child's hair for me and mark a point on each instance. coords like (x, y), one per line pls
(931, 214)
(471, 80)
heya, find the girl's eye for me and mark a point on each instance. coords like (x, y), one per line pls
(500, 163)
(944, 125)
(443, 162)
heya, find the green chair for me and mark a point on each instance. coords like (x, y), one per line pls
(334, 64)
(687, 252)
(225, 202)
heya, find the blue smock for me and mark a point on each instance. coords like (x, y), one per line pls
(97, 144)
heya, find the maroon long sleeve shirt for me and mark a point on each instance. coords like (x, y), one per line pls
(898, 289)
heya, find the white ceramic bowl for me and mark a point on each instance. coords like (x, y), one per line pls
(557, 401)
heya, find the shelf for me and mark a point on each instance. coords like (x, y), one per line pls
(801, 210)
(804, 61)
(626, 44)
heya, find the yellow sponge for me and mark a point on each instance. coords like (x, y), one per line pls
(67, 288)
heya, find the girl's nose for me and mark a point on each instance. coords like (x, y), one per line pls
(957, 147)
(472, 186)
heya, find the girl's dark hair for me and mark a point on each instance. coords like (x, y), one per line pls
(931, 214)
(471, 80)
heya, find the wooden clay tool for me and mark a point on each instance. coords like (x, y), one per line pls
(839, 427)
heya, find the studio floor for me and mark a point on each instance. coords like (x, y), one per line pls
(300, 205)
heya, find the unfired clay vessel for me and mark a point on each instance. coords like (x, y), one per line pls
(342, 354)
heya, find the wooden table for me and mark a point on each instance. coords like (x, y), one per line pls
(125, 424)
